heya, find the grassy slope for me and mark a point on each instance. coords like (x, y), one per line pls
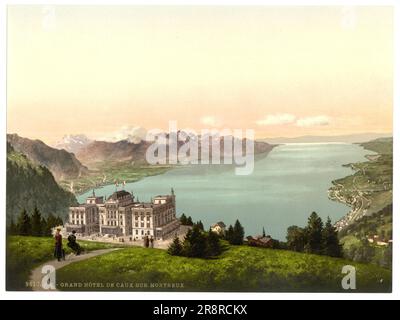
(26, 253)
(239, 268)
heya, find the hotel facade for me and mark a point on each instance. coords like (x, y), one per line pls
(121, 216)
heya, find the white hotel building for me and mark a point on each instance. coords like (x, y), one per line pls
(120, 215)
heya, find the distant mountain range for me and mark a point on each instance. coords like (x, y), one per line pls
(73, 143)
(100, 151)
(92, 153)
(62, 164)
(351, 138)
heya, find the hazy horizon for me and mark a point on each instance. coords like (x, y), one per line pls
(281, 71)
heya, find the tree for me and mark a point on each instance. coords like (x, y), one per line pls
(51, 223)
(24, 224)
(386, 260)
(263, 232)
(213, 244)
(229, 234)
(313, 233)
(36, 223)
(59, 221)
(183, 219)
(200, 225)
(195, 243)
(296, 239)
(175, 248)
(363, 252)
(12, 228)
(238, 234)
(189, 221)
(382, 235)
(43, 227)
(330, 240)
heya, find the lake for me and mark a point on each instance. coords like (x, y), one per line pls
(285, 187)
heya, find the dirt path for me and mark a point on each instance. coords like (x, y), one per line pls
(37, 275)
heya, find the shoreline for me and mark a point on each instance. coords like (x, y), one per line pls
(358, 203)
(167, 168)
(101, 185)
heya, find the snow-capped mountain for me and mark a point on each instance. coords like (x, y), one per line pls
(73, 142)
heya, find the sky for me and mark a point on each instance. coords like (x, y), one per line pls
(282, 71)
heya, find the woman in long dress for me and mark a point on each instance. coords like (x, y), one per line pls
(58, 249)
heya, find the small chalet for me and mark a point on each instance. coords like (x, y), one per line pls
(260, 241)
(218, 227)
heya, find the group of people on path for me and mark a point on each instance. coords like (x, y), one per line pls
(59, 252)
(148, 242)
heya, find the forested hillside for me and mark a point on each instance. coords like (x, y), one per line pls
(30, 185)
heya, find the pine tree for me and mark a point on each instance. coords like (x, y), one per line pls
(331, 245)
(24, 224)
(36, 223)
(175, 248)
(238, 234)
(195, 243)
(213, 244)
(200, 225)
(313, 234)
(51, 223)
(189, 221)
(183, 219)
(229, 234)
(59, 221)
(263, 233)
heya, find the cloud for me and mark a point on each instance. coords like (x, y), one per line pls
(291, 119)
(277, 119)
(129, 133)
(211, 121)
(313, 121)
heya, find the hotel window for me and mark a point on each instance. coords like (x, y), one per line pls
(136, 224)
(148, 225)
(137, 232)
(142, 225)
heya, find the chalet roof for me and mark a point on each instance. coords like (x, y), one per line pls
(219, 223)
(260, 238)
